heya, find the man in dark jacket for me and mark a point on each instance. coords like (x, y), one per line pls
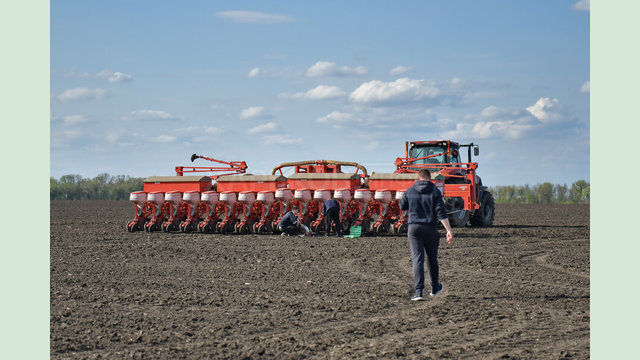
(331, 213)
(425, 205)
(289, 224)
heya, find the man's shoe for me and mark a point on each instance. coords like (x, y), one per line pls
(437, 291)
(417, 296)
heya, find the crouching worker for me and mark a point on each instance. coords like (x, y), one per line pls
(331, 213)
(289, 224)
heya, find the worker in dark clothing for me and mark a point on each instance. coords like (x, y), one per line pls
(331, 213)
(289, 224)
(426, 207)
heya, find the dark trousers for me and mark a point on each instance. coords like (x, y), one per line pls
(293, 230)
(424, 239)
(332, 216)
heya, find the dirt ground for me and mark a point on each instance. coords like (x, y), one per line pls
(519, 289)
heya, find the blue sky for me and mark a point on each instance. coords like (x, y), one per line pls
(138, 86)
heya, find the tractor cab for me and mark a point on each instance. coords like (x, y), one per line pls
(433, 152)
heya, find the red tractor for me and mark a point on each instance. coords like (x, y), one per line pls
(466, 199)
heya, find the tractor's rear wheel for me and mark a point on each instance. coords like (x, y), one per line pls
(459, 218)
(484, 216)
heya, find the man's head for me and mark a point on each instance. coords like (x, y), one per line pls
(424, 174)
(294, 209)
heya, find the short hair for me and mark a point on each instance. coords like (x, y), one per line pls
(294, 208)
(424, 174)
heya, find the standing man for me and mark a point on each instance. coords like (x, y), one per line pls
(425, 205)
(331, 213)
(289, 224)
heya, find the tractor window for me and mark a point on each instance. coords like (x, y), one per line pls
(455, 159)
(418, 152)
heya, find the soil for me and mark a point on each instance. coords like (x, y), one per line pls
(518, 289)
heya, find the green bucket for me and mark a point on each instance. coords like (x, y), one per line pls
(354, 232)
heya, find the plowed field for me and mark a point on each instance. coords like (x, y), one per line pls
(519, 289)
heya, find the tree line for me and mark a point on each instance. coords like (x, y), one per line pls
(545, 193)
(101, 187)
(107, 187)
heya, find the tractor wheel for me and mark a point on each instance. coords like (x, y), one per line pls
(206, 229)
(484, 216)
(459, 218)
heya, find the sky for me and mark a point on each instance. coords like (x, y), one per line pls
(139, 86)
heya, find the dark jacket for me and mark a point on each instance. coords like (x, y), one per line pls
(288, 219)
(424, 202)
(329, 204)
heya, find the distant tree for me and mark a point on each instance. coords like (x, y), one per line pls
(545, 193)
(560, 193)
(580, 192)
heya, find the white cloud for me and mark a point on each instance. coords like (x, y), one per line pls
(191, 131)
(586, 87)
(372, 145)
(146, 115)
(281, 140)
(399, 70)
(545, 110)
(120, 77)
(498, 122)
(457, 82)
(401, 90)
(253, 112)
(81, 94)
(163, 139)
(74, 73)
(72, 134)
(262, 128)
(255, 72)
(320, 92)
(337, 119)
(112, 136)
(197, 134)
(114, 76)
(253, 17)
(491, 155)
(510, 129)
(582, 5)
(212, 130)
(74, 119)
(327, 68)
